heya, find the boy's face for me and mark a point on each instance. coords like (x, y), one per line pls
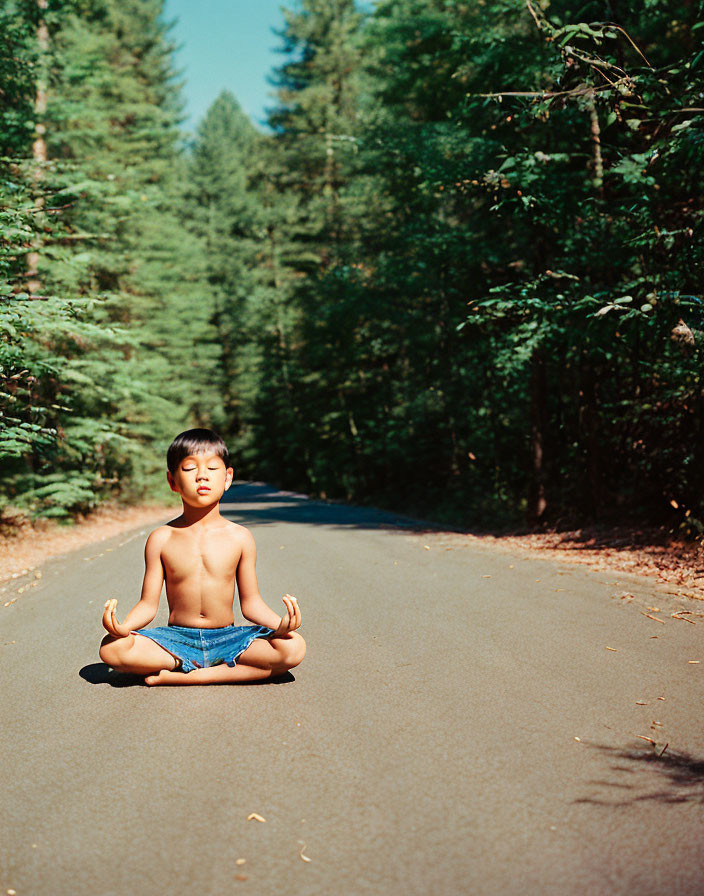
(201, 479)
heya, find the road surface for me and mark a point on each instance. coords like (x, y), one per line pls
(466, 721)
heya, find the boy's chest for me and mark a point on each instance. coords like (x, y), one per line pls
(186, 556)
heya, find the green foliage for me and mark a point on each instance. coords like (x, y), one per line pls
(500, 311)
(460, 277)
(92, 400)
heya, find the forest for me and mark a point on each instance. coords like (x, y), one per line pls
(459, 275)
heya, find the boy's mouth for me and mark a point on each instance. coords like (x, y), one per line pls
(202, 489)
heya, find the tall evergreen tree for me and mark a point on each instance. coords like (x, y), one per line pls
(224, 217)
(40, 333)
(117, 102)
(304, 192)
(112, 242)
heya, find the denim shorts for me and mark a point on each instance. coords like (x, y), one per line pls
(198, 648)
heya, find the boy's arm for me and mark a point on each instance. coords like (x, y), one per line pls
(145, 610)
(251, 603)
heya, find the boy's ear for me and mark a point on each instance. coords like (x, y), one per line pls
(172, 482)
(229, 476)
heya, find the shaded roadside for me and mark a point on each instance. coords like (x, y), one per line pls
(26, 546)
(674, 564)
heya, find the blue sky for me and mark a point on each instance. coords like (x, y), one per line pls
(226, 44)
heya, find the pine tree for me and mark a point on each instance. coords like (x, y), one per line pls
(224, 217)
(35, 364)
(113, 245)
(304, 194)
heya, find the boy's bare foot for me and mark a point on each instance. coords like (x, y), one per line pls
(166, 676)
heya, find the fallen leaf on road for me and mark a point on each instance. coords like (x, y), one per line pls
(683, 618)
(300, 854)
(653, 609)
(240, 861)
(661, 698)
(578, 739)
(693, 662)
(641, 703)
(7, 604)
(427, 547)
(611, 648)
(663, 749)
(255, 816)
(649, 739)
(652, 617)
(486, 577)
(241, 877)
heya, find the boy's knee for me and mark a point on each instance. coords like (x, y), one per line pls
(295, 650)
(112, 650)
(108, 653)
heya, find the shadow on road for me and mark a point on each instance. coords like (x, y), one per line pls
(669, 776)
(100, 673)
(260, 504)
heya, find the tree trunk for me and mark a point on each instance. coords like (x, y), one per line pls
(597, 161)
(537, 502)
(38, 153)
(592, 434)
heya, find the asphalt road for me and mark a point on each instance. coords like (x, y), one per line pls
(457, 727)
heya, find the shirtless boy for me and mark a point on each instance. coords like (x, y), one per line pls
(201, 555)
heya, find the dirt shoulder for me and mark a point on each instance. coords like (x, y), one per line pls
(675, 565)
(33, 544)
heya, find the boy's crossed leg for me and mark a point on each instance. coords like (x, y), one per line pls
(264, 658)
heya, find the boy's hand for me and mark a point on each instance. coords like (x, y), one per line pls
(110, 620)
(292, 620)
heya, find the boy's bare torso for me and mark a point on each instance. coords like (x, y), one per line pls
(200, 566)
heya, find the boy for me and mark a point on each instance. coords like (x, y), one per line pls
(202, 555)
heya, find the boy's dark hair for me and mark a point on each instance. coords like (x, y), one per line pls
(195, 441)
